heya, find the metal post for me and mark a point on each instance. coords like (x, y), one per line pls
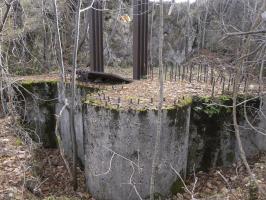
(136, 61)
(96, 37)
(140, 38)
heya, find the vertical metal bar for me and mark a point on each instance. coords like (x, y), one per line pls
(136, 39)
(140, 38)
(96, 37)
(92, 40)
(96, 23)
(101, 62)
(145, 40)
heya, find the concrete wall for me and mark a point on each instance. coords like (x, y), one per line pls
(64, 124)
(132, 135)
(114, 145)
(38, 111)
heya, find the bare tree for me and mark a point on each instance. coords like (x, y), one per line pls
(160, 105)
(59, 51)
(188, 29)
(244, 52)
(73, 93)
(204, 24)
(5, 17)
(61, 91)
(4, 85)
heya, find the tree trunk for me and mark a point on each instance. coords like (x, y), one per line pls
(187, 30)
(8, 6)
(59, 53)
(159, 123)
(204, 26)
(73, 92)
(18, 14)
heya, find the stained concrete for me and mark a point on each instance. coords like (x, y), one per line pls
(189, 139)
(132, 135)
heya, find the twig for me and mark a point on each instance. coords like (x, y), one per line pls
(184, 184)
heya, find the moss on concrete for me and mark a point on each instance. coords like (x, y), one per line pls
(208, 119)
(41, 94)
(31, 82)
(230, 157)
(143, 112)
(115, 114)
(91, 100)
(177, 187)
(186, 101)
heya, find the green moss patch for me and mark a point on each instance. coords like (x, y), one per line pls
(177, 187)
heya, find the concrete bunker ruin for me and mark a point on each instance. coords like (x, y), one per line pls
(115, 144)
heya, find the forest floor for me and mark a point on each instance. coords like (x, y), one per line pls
(34, 173)
(41, 174)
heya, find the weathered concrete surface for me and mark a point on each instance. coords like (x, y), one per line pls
(64, 123)
(39, 114)
(193, 135)
(212, 140)
(254, 141)
(38, 111)
(132, 135)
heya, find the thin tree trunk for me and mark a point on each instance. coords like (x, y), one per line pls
(261, 78)
(204, 26)
(2, 82)
(151, 40)
(160, 105)
(59, 46)
(236, 127)
(73, 92)
(187, 30)
(17, 14)
(45, 40)
(245, 48)
(8, 7)
(61, 91)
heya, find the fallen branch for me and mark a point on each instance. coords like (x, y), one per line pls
(185, 186)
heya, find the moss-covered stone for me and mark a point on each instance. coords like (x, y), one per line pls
(177, 187)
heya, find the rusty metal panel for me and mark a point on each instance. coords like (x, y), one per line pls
(145, 40)
(96, 37)
(140, 38)
(136, 61)
(101, 63)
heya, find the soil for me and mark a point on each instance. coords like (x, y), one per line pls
(33, 173)
(228, 183)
